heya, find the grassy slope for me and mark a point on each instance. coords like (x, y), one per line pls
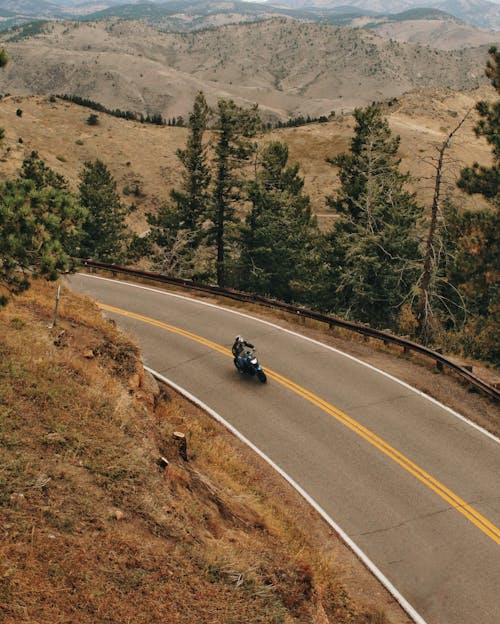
(145, 154)
(92, 530)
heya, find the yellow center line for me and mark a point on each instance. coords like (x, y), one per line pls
(441, 490)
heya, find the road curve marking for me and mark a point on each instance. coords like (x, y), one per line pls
(328, 347)
(487, 527)
(413, 614)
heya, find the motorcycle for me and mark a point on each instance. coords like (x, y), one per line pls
(247, 364)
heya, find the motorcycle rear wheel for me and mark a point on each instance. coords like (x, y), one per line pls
(262, 376)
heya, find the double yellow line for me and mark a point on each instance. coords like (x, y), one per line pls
(441, 490)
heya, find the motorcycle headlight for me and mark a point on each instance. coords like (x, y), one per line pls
(253, 361)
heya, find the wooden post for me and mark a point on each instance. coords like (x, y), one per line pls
(405, 348)
(181, 438)
(54, 319)
(439, 365)
(162, 462)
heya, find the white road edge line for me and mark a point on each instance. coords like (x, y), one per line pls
(406, 606)
(317, 342)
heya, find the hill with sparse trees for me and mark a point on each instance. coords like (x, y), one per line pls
(285, 66)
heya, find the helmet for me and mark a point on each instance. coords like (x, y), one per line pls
(239, 339)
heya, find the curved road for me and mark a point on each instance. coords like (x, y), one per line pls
(413, 485)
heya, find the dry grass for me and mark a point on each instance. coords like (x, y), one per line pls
(146, 154)
(93, 530)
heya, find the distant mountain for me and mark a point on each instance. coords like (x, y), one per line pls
(188, 15)
(420, 14)
(426, 26)
(473, 11)
(287, 66)
(36, 8)
(478, 12)
(430, 27)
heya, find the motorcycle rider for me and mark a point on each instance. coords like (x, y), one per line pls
(239, 346)
(245, 360)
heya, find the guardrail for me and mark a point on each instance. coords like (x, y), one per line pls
(408, 345)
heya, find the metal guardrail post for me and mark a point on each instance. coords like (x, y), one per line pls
(439, 364)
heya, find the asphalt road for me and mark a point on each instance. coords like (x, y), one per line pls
(413, 485)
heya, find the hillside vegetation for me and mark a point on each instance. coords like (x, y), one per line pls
(287, 67)
(188, 15)
(240, 215)
(94, 530)
(143, 156)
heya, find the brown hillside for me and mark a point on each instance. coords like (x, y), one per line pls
(144, 154)
(441, 34)
(286, 66)
(94, 530)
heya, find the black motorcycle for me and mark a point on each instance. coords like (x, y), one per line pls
(247, 364)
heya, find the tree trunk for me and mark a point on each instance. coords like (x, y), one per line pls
(424, 307)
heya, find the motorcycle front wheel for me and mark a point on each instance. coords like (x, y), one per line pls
(262, 376)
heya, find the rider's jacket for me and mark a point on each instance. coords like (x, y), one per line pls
(239, 346)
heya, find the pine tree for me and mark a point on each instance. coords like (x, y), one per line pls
(192, 200)
(280, 235)
(479, 179)
(475, 236)
(373, 247)
(35, 169)
(234, 128)
(474, 243)
(177, 228)
(104, 230)
(39, 231)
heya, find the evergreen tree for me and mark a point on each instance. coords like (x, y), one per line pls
(474, 243)
(192, 200)
(479, 179)
(280, 235)
(373, 248)
(234, 128)
(34, 169)
(39, 230)
(475, 235)
(104, 230)
(177, 229)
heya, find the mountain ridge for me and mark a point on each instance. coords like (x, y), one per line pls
(287, 67)
(481, 13)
